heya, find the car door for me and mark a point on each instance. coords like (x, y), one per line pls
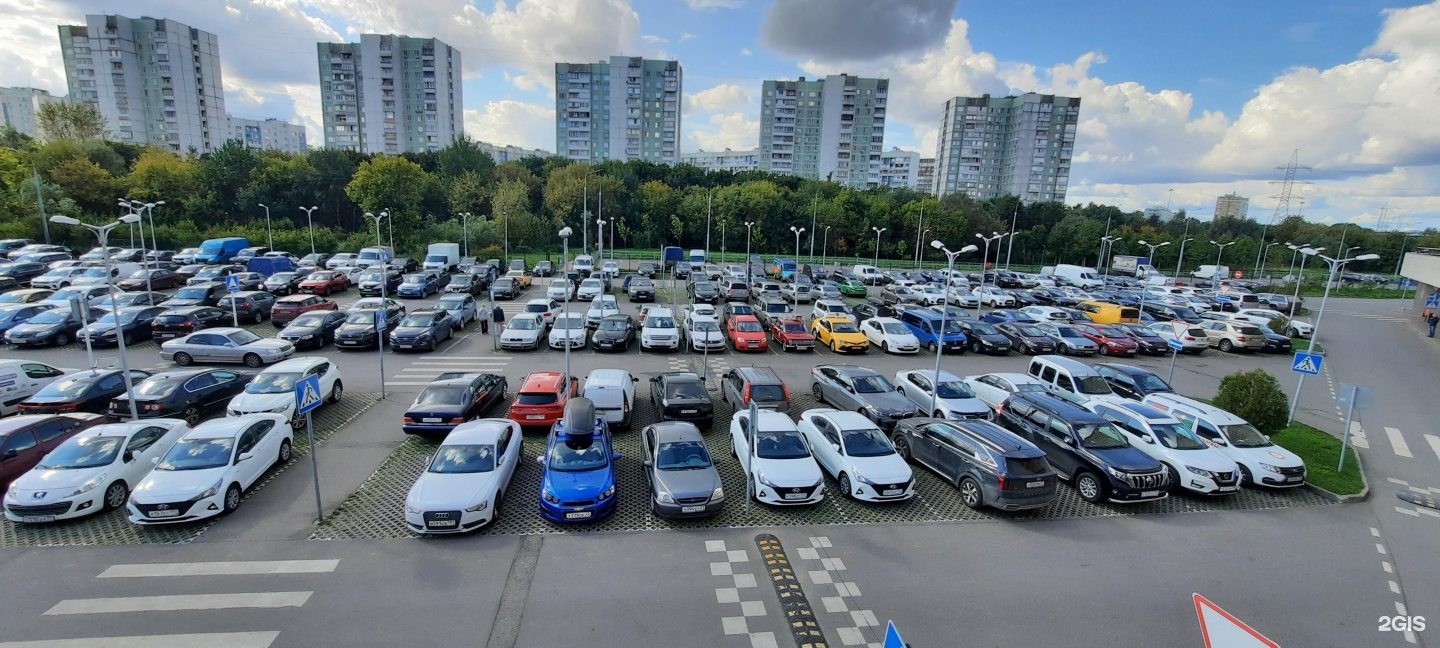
(18, 452)
(244, 468)
(507, 453)
(142, 446)
(917, 389)
(200, 346)
(824, 447)
(740, 438)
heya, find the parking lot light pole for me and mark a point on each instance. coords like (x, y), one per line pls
(748, 225)
(1294, 252)
(944, 311)
(269, 236)
(878, 231)
(1107, 244)
(797, 232)
(1335, 265)
(920, 249)
(1181, 260)
(600, 241)
(1220, 253)
(1153, 247)
(136, 208)
(1295, 299)
(824, 247)
(465, 234)
(1265, 259)
(384, 283)
(565, 233)
(309, 224)
(102, 235)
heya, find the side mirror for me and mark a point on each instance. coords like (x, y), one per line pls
(647, 462)
(1267, 439)
(835, 447)
(540, 459)
(1070, 441)
(615, 456)
(128, 457)
(1147, 439)
(244, 457)
(154, 461)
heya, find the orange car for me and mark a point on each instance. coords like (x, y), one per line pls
(541, 399)
(325, 282)
(746, 333)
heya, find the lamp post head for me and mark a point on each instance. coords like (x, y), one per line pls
(1310, 251)
(130, 218)
(64, 220)
(1212, 242)
(1366, 257)
(1161, 245)
(262, 205)
(969, 248)
(937, 245)
(979, 235)
(565, 232)
(1142, 242)
(158, 203)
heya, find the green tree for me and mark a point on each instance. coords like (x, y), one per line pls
(1255, 396)
(91, 187)
(64, 121)
(391, 183)
(471, 193)
(463, 156)
(162, 175)
(223, 175)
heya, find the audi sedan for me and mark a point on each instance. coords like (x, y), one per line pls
(462, 488)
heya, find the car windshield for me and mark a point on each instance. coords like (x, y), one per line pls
(682, 455)
(577, 454)
(1030, 331)
(954, 389)
(197, 454)
(749, 327)
(706, 326)
(417, 320)
(523, 324)
(1151, 383)
(56, 316)
(243, 338)
(451, 303)
(83, 452)
(1100, 436)
(1094, 385)
(193, 292)
(441, 395)
(359, 317)
(369, 276)
(460, 459)
(273, 383)
(1244, 435)
(659, 322)
(982, 328)
(1177, 436)
(1067, 332)
(784, 444)
(161, 387)
(794, 327)
(109, 318)
(868, 442)
(843, 327)
(308, 320)
(612, 325)
(873, 385)
(415, 279)
(686, 390)
(570, 322)
(66, 388)
(895, 328)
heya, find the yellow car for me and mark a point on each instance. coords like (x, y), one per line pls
(521, 277)
(840, 334)
(26, 296)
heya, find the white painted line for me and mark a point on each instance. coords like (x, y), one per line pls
(721, 569)
(209, 640)
(1375, 532)
(727, 595)
(714, 545)
(1427, 511)
(1409, 512)
(734, 625)
(835, 564)
(1380, 548)
(847, 589)
(763, 640)
(220, 568)
(1410, 636)
(1385, 565)
(864, 618)
(809, 553)
(1434, 442)
(181, 602)
(834, 604)
(744, 580)
(737, 555)
(850, 636)
(752, 608)
(1400, 608)
(1398, 440)
(1397, 481)
(1394, 587)
(820, 577)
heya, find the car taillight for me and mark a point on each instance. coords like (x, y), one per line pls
(457, 420)
(786, 391)
(409, 420)
(745, 398)
(1001, 481)
(1240, 338)
(152, 407)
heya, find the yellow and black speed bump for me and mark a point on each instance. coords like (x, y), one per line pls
(793, 604)
(1421, 500)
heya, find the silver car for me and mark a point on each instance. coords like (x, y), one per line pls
(682, 476)
(857, 389)
(226, 345)
(1071, 340)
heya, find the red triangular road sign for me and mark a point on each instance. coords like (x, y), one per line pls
(1221, 630)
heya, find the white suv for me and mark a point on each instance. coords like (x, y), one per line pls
(1194, 465)
(660, 330)
(1262, 463)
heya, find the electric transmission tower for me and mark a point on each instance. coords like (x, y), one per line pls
(1287, 186)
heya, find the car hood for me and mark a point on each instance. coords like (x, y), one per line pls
(567, 333)
(601, 334)
(352, 329)
(300, 330)
(1129, 459)
(410, 331)
(891, 402)
(35, 328)
(39, 479)
(587, 484)
(176, 302)
(966, 405)
(1206, 459)
(172, 485)
(99, 328)
(520, 334)
(441, 491)
(696, 482)
(889, 469)
(249, 403)
(785, 473)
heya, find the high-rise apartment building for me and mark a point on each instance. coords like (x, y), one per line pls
(900, 169)
(1016, 146)
(391, 94)
(20, 106)
(1231, 206)
(925, 175)
(155, 81)
(625, 109)
(726, 160)
(826, 129)
(271, 134)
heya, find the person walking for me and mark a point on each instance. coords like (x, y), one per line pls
(1432, 321)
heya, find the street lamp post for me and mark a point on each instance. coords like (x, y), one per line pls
(309, 225)
(984, 264)
(1295, 252)
(919, 248)
(1295, 299)
(600, 242)
(565, 233)
(1335, 265)
(825, 246)
(748, 225)
(1152, 247)
(102, 234)
(269, 236)
(584, 214)
(1216, 277)
(944, 312)
(506, 215)
(1403, 239)
(722, 242)
(135, 209)
(709, 203)
(1181, 260)
(465, 234)
(1265, 258)
(878, 231)
(384, 283)
(797, 232)
(1107, 243)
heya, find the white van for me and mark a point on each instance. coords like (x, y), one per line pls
(583, 264)
(1080, 275)
(20, 379)
(660, 330)
(1262, 463)
(613, 392)
(1072, 377)
(869, 274)
(375, 254)
(1211, 271)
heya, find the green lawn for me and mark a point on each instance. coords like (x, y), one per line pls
(1301, 344)
(1321, 452)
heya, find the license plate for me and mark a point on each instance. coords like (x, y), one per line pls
(890, 492)
(795, 496)
(1036, 484)
(35, 519)
(441, 523)
(535, 417)
(402, 346)
(1150, 494)
(688, 411)
(167, 513)
(429, 420)
(348, 342)
(1294, 479)
(1226, 489)
(577, 515)
(692, 509)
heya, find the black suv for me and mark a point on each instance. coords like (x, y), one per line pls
(1085, 448)
(682, 397)
(990, 465)
(876, 308)
(180, 322)
(1132, 382)
(702, 291)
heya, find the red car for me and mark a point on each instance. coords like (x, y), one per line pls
(291, 306)
(790, 333)
(541, 399)
(746, 333)
(325, 282)
(1111, 341)
(29, 437)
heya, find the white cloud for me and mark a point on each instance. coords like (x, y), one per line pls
(699, 5)
(513, 122)
(736, 130)
(726, 97)
(653, 39)
(746, 51)
(685, 36)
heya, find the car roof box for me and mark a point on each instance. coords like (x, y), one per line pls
(579, 416)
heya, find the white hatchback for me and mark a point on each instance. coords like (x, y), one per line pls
(569, 329)
(273, 390)
(205, 473)
(560, 289)
(853, 450)
(462, 488)
(890, 334)
(776, 459)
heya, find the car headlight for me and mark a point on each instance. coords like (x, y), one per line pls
(608, 492)
(411, 509)
(211, 491)
(308, 337)
(478, 507)
(279, 410)
(861, 478)
(1198, 471)
(549, 497)
(88, 486)
(1117, 474)
(719, 493)
(664, 498)
(1270, 468)
(760, 478)
(10, 495)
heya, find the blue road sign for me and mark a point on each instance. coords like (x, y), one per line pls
(1175, 344)
(1223, 299)
(232, 284)
(892, 637)
(380, 322)
(1307, 363)
(1433, 301)
(307, 394)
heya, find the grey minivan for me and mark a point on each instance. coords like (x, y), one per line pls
(759, 384)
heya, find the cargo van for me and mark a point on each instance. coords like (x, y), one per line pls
(613, 392)
(221, 250)
(869, 274)
(1080, 276)
(20, 379)
(1210, 271)
(583, 264)
(377, 254)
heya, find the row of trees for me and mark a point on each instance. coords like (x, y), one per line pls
(529, 200)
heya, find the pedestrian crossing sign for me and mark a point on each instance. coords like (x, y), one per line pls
(1307, 363)
(232, 284)
(1433, 300)
(307, 394)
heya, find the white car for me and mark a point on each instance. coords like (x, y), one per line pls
(996, 297)
(1192, 337)
(830, 308)
(589, 289)
(700, 310)
(1047, 314)
(994, 388)
(1261, 462)
(853, 450)
(92, 295)
(272, 391)
(342, 260)
(569, 329)
(928, 295)
(523, 332)
(58, 278)
(1263, 316)
(658, 330)
(963, 297)
(545, 308)
(890, 334)
(560, 289)
(205, 473)
(954, 398)
(782, 470)
(600, 308)
(462, 488)
(1193, 464)
(91, 472)
(610, 268)
(702, 332)
(375, 303)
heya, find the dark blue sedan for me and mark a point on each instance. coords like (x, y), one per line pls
(422, 329)
(577, 482)
(13, 315)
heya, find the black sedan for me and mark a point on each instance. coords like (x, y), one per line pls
(422, 329)
(53, 327)
(466, 283)
(615, 333)
(358, 330)
(135, 322)
(284, 283)
(1132, 382)
(451, 400)
(984, 337)
(703, 291)
(313, 330)
(505, 288)
(682, 397)
(205, 294)
(1028, 338)
(83, 391)
(1274, 342)
(1149, 342)
(136, 298)
(875, 308)
(187, 394)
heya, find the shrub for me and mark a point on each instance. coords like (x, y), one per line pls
(1256, 397)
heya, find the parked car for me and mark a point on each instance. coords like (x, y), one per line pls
(324, 282)
(207, 471)
(702, 333)
(226, 345)
(890, 335)
(313, 330)
(213, 274)
(465, 283)
(568, 329)
(289, 307)
(989, 465)
(53, 327)
(790, 334)
(357, 331)
(25, 296)
(453, 399)
(1192, 338)
(27, 438)
(840, 334)
(947, 398)
(204, 294)
(466, 480)
(523, 332)
(83, 391)
(1070, 341)
(760, 385)
(187, 394)
(1111, 340)
(863, 390)
(1132, 382)
(984, 337)
(252, 305)
(419, 284)
(1193, 465)
(702, 292)
(681, 475)
(541, 398)
(1233, 336)
(858, 455)
(13, 315)
(151, 279)
(614, 333)
(640, 289)
(578, 477)
(462, 308)
(136, 324)
(773, 455)
(1261, 461)
(273, 390)
(422, 329)
(682, 396)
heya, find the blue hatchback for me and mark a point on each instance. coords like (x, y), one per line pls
(577, 482)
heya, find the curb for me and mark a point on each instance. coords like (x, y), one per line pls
(1363, 495)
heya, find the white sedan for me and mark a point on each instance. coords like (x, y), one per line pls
(523, 332)
(568, 330)
(1192, 337)
(928, 295)
(858, 455)
(273, 390)
(890, 334)
(467, 479)
(992, 296)
(952, 398)
(782, 470)
(703, 332)
(560, 289)
(994, 388)
(600, 308)
(963, 297)
(589, 289)
(205, 473)
(91, 472)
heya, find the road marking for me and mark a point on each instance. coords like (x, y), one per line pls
(1398, 441)
(180, 602)
(1434, 442)
(1394, 587)
(1409, 512)
(1380, 548)
(210, 640)
(1385, 564)
(794, 605)
(1374, 532)
(220, 568)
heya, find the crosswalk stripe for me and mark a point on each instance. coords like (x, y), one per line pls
(220, 568)
(209, 640)
(1434, 442)
(1398, 440)
(459, 358)
(180, 602)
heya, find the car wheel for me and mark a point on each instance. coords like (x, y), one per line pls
(845, 488)
(835, 347)
(817, 392)
(1292, 333)
(129, 338)
(232, 499)
(975, 346)
(338, 392)
(62, 338)
(191, 416)
(1245, 478)
(902, 448)
(931, 347)
(970, 493)
(115, 496)
(252, 360)
(259, 317)
(183, 359)
(1090, 487)
(1175, 484)
(885, 347)
(1226, 346)
(1104, 350)
(283, 456)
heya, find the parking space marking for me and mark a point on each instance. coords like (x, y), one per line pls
(1434, 442)
(1357, 435)
(220, 568)
(726, 595)
(215, 639)
(179, 602)
(1397, 440)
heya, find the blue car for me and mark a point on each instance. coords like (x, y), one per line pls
(1002, 315)
(577, 482)
(926, 325)
(418, 285)
(422, 329)
(13, 315)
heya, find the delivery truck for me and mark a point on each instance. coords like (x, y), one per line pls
(442, 256)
